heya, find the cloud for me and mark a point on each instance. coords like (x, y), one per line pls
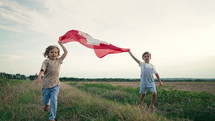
(19, 18)
(14, 17)
(175, 32)
(11, 57)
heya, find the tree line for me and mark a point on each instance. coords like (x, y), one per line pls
(12, 76)
(4, 75)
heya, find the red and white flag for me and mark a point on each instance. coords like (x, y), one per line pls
(101, 48)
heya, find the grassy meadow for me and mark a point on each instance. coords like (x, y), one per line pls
(21, 101)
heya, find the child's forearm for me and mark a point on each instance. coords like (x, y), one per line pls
(63, 47)
(38, 80)
(138, 61)
(40, 74)
(158, 77)
(64, 50)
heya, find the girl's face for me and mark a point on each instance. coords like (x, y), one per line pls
(147, 58)
(53, 54)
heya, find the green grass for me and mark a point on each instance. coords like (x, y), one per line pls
(192, 105)
(171, 103)
(114, 93)
(9, 82)
(21, 101)
(86, 107)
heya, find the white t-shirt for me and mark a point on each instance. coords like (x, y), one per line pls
(147, 65)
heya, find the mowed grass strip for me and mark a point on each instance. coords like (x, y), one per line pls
(186, 86)
(75, 104)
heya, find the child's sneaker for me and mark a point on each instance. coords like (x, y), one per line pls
(46, 108)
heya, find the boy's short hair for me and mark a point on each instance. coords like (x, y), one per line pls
(146, 53)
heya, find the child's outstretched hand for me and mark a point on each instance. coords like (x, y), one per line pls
(37, 81)
(60, 42)
(161, 83)
(129, 51)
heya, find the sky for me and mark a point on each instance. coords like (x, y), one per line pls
(178, 33)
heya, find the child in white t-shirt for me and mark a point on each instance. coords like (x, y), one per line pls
(147, 78)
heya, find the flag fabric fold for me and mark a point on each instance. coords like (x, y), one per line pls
(101, 48)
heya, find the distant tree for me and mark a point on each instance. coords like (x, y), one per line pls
(6, 76)
(23, 77)
(32, 77)
(17, 76)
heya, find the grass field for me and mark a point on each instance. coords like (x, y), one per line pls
(197, 106)
(186, 86)
(21, 101)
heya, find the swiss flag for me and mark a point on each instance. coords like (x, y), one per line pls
(101, 48)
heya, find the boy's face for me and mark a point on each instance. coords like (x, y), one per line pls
(53, 54)
(147, 58)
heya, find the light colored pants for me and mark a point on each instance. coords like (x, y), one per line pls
(50, 98)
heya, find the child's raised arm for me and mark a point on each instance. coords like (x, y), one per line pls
(64, 50)
(138, 61)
